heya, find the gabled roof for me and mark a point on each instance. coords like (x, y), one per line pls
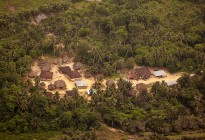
(159, 73)
(143, 72)
(46, 75)
(71, 74)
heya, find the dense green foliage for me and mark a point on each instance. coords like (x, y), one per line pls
(107, 36)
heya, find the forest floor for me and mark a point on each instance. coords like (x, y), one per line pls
(90, 81)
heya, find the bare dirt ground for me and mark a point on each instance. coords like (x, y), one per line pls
(71, 84)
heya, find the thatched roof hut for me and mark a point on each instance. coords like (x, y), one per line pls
(65, 59)
(141, 87)
(70, 93)
(88, 74)
(41, 62)
(110, 83)
(32, 74)
(45, 75)
(60, 84)
(51, 87)
(78, 66)
(42, 86)
(143, 73)
(46, 67)
(71, 74)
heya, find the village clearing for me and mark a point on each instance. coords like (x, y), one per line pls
(90, 81)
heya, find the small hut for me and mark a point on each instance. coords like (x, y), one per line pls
(45, 75)
(143, 73)
(42, 86)
(88, 74)
(70, 93)
(78, 66)
(60, 84)
(65, 59)
(110, 83)
(51, 87)
(141, 87)
(32, 74)
(46, 67)
(41, 62)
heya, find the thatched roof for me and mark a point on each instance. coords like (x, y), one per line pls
(88, 74)
(46, 67)
(60, 84)
(78, 66)
(70, 93)
(41, 62)
(65, 59)
(110, 83)
(141, 87)
(51, 87)
(42, 85)
(143, 73)
(71, 74)
(45, 75)
(32, 74)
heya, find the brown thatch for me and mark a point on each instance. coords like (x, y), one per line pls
(41, 62)
(46, 67)
(78, 66)
(88, 74)
(65, 59)
(60, 84)
(71, 74)
(141, 87)
(42, 85)
(132, 75)
(32, 74)
(143, 73)
(70, 93)
(51, 87)
(45, 75)
(110, 83)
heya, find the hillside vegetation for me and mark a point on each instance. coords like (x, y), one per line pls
(107, 37)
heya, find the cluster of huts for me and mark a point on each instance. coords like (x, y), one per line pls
(47, 75)
(144, 73)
